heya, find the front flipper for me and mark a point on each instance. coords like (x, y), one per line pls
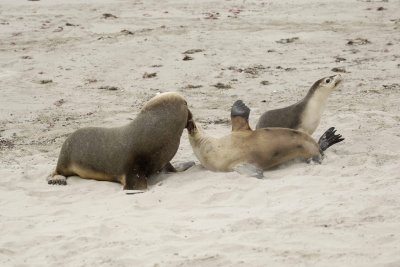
(249, 170)
(179, 167)
(57, 179)
(135, 181)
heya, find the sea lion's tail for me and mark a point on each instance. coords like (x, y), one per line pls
(329, 138)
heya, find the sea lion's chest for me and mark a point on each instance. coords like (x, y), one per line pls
(311, 115)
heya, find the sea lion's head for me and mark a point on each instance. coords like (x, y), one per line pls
(327, 84)
(170, 105)
(191, 125)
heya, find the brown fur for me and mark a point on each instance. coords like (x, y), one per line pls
(128, 154)
(263, 148)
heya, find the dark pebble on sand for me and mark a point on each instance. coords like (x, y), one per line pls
(339, 69)
(109, 88)
(358, 41)
(149, 75)
(109, 16)
(339, 59)
(222, 86)
(186, 58)
(127, 32)
(191, 86)
(287, 40)
(265, 82)
(45, 81)
(192, 51)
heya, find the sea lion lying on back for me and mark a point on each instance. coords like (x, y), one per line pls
(251, 152)
(127, 154)
(305, 115)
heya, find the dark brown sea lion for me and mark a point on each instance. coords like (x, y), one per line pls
(127, 154)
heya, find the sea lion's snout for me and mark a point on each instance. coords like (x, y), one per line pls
(190, 125)
(338, 79)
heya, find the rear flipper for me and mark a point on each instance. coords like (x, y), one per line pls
(240, 109)
(57, 179)
(249, 170)
(328, 139)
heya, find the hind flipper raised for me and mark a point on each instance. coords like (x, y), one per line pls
(329, 138)
(240, 116)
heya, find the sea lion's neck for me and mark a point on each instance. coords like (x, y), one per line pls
(315, 101)
(198, 136)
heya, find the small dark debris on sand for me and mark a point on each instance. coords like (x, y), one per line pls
(358, 41)
(339, 59)
(212, 15)
(109, 88)
(70, 24)
(104, 37)
(193, 51)
(26, 57)
(91, 81)
(222, 86)
(45, 81)
(127, 32)
(339, 69)
(221, 121)
(108, 16)
(191, 86)
(156, 66)
(271, 50)
(393, 86)
(381, 8)
(59, 29)
(235, 69)
(254, 69)
(265, 82)
(288, 40)
(186, 58)
(59, 102)
(285, 69)
(149, 75)
(6, 144)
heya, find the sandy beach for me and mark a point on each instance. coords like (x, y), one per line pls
(65, 65)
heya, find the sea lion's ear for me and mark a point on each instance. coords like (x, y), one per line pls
(240, 116)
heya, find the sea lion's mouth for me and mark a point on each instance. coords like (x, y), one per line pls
(337, 82)
(191, 127)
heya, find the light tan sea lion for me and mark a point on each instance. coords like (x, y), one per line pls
(127, 154)
(306, 114)
(251, 152)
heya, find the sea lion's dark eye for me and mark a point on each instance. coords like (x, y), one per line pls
(328, 80)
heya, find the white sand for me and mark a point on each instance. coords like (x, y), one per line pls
(345, 212)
